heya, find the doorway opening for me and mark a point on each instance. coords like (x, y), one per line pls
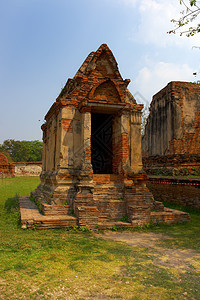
(101, 143)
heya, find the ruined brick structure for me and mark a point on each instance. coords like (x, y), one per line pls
(172, 135)
(92, 162)
(6, 169)
(28, 168)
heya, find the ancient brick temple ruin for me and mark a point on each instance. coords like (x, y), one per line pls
(6, 169)
(92, 162)
(171, 144)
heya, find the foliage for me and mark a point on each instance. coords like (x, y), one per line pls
(189, 14)
(35, 150)
(124, 219)
(165, 171)
(7, 154)
(22, 151)
(18, 151)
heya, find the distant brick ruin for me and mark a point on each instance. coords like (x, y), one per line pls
(92, 163)
(28, 168)
(171, 143)
(6, 169)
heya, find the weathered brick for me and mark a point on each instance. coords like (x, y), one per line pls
(6, 169)
(171, 142)
(96, 108)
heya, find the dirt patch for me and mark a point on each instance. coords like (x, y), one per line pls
(136, 239)
(181, 259)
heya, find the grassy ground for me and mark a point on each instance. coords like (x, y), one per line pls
(61, 264)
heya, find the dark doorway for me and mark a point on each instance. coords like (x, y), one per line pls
(101, 143)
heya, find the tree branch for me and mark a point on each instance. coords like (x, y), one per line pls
(189, 15)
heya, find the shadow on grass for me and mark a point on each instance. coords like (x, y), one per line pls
(12, 209)
(12, 204)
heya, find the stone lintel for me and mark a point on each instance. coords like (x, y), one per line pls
(109, 108)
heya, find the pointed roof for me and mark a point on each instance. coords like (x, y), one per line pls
(98, 65)
(84, 65)
(92, 59)
(97, 80)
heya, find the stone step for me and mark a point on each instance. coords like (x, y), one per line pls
(50, 210)
(31, 217)
(109, 225)
(169, 216)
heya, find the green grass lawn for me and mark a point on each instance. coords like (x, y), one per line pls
(61, 264)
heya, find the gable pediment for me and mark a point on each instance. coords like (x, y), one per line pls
(106, 91)
(103, 64)
(98, 78)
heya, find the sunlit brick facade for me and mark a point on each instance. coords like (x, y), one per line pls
(172, 135)
(92, 162)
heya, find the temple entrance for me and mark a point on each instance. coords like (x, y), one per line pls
(101, 143)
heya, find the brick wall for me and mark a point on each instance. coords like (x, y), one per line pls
(186, 195)
(6, 169)
(70, 173)
(28, 168)
(173, 127)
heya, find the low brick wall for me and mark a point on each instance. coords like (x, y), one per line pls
(28, 168)
(172, 165)
(7, 171)
(183, 192)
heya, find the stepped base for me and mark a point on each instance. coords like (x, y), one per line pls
(50, 210)
(31, 217)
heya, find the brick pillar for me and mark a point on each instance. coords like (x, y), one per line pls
(84, 207)
(139, 200)
(86, 143)
(135, 142)
(124, 140)
(120, 143)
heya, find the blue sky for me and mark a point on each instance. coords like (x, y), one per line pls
(44, 42)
